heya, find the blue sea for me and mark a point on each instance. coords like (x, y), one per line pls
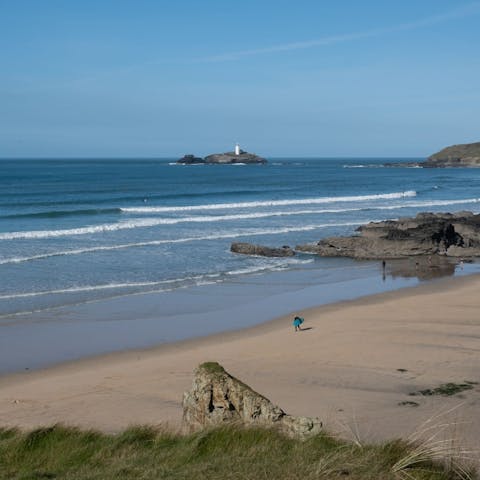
(79, 233)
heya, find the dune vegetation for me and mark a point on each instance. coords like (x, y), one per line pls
(223, 453)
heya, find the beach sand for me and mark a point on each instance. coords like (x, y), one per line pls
(351, 366)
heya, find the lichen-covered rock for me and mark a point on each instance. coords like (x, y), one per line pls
(217, 398)
(251, 249)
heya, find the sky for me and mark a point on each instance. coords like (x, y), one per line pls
(305, 78)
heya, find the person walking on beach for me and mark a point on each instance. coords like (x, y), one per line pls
(297, 322)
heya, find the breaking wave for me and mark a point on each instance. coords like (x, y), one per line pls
(272, 203)
(253, 232)
(164, 285)
(151, 222)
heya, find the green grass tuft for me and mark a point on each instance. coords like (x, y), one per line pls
(218, 454)
(212, 367)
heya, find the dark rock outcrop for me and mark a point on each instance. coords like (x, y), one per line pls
(232, 158)
(217, 398)
(250, 249)
(464, 155)
(455, 235)
(190, 160)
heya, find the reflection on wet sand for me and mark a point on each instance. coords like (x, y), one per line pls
(422, 267)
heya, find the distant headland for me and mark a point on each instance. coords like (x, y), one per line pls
(238, 156)
(462, 155)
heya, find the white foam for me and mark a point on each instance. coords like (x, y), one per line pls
(271, 203)
(169, 285)
(428, 203)
(87, 288)
(370, 165)
(237, 234)
(151, 222)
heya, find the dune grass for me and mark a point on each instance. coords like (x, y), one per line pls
(222, 453)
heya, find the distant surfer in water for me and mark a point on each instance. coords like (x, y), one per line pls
(297, 322)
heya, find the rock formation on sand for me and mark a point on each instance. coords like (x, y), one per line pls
(455, 235)
(217, 398)
(251, 249)
(464, 155)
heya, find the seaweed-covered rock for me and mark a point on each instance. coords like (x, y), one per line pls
(456, 235)
(251, 249)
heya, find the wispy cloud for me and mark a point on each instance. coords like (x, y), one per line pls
(464, 11)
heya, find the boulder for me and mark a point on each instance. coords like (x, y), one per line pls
(426, 234)
(218, 398)
(251, 249)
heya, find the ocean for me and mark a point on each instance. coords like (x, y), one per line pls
(85, 233)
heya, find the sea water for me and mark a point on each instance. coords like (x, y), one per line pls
(83, 232)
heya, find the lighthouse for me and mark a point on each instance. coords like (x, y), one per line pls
(237, 149)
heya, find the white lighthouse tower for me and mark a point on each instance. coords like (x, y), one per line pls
(237, 149)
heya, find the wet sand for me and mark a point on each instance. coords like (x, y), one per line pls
(352, 366)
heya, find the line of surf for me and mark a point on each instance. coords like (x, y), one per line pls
(151, 222)
(272, 265)
(271, 203)
(148, 222)
(252, 232)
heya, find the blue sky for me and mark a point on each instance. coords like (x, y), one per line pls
(282, 77)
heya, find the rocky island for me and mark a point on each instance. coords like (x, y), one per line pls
(446, 234)
(190, 160)
(238, 156)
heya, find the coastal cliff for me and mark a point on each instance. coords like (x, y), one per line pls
(464, 155)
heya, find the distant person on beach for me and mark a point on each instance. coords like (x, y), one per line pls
(297, 322)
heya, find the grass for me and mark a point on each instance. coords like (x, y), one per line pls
(212, 367)
(222, 453)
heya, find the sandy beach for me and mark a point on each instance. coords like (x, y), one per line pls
(352, 366)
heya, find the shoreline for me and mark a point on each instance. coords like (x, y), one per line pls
(137, 322)
(345, 369)
(274, 324)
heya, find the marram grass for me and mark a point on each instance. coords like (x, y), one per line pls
(222, 453)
